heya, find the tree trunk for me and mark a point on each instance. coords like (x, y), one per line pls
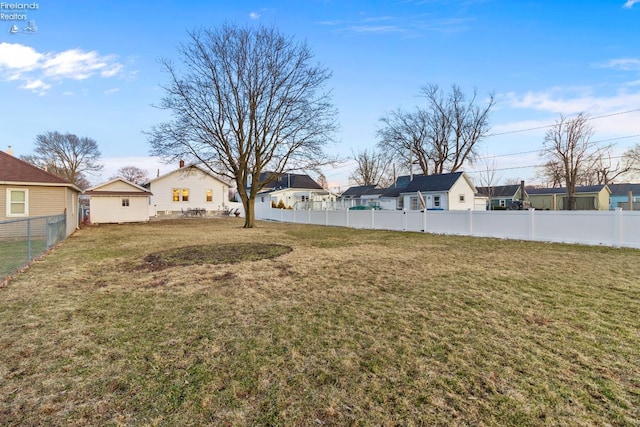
(249, 212)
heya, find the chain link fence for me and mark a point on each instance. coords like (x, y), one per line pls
(22, 240)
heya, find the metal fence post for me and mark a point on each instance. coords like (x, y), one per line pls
(28, 240)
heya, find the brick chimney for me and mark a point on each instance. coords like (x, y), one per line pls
(181, 164)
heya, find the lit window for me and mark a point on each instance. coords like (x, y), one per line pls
(185, 194)
(125, 202)
(209, 196)
(17, 202)
(176, 195)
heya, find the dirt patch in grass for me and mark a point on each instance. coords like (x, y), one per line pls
(231, 253)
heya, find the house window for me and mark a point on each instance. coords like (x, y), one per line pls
(503, 203)
(180, 194)
(305, 198)
(436, 201)
(414, 203)
(209, 196)
(125, 203)
(17, 202)
(461, 198)
(401, 203)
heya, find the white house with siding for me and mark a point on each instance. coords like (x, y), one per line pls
(449, 191)
(188, 187)
(118, 201)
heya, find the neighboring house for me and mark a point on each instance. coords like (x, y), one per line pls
(118, 201)
(362, 195)
(188, 187)
(501, 196)
(449, 191)
(620, 196)
(298, 191)
(27, 191)
(591, 197)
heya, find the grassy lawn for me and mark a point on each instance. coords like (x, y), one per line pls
(351, 327)
(13, 254)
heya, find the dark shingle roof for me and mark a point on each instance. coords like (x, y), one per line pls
(426, 183)
(499, 190)
(289, 180)
(403, 180)
(13, 169)
(623, 189)
(357, 191)
(562, 190)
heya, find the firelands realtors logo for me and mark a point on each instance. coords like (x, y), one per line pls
(18, 14)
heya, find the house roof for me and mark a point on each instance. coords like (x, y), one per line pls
(358, 191)
(135, 190)
(561, 190)
(404, 180)
(16, 171)
(499, 190)
(429, 183)
(182, 169)
(289, 180)
(623, 189)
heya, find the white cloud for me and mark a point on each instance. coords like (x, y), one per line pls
(36, 70)
(629, 4)
(17, 56)
(254, 15)
(626, 64)
(617, 109)
(112, 91)
(37, 86)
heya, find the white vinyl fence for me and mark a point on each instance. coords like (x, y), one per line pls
(608, 228)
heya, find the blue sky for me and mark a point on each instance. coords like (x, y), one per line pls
(90, 68)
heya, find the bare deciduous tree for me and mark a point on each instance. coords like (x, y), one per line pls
(372, 168)
(488, 177)
(442, 135)
(552, 174)
(568, 147)
(244, 101)
(605, 170)
(67, 156)
(132, 174)
(404, 136)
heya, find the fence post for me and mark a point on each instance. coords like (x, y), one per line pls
(347, 213)
(326, 217)
(424, 221)
(470, 215)
(28, 240)
(617, 228)
(373, 221)
(532, 229)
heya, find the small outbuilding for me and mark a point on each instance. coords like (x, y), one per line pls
(118, 201)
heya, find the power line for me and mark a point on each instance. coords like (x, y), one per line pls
(537, 151)
(549, 126)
